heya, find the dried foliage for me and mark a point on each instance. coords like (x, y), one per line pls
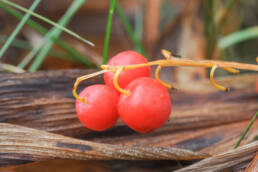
(225, 160)
(22, 145)
(48, 105)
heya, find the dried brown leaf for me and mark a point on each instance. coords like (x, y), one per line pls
(19, 145)
(225, 160)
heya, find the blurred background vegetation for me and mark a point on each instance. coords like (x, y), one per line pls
(196, 29)
(200, 29)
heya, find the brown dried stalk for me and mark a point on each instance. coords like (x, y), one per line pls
(253, 166)
(20, 145)
(224, 160)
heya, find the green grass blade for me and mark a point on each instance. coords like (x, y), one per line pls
(19, 16)
(47, 21)
(18, 28)
(54, 33)
(69, 50)
(246, 130)
(130, 30)
(108, 29)
(26, 60)
(239, 36)
(18, 43)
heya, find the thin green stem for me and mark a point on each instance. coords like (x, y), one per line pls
(246, 130)
(209, 27)
(129, 29)
(55, 32)
(69, 50)
(18, 28)
(108, 30)
(47, 21)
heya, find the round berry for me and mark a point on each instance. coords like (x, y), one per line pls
(100, 110)
(125, 77)
(147, 107)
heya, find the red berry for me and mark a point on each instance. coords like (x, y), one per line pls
(147, 107)
(100, 110)
(125, 77)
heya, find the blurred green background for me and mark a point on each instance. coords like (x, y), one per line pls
(202, 29)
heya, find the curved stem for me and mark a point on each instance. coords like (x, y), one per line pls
(115, 82)
(213, 82)
(82, 78)
(159, 80)
(232, 70)
(170, 61)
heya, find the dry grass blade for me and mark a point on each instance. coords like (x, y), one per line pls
(253, 166)
(10, 68)
(224, 160)
(20, 145)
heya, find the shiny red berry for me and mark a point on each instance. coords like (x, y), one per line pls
(125, 77)
(147, 107)
(100, 110)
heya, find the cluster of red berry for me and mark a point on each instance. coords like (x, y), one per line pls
(146, 108)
